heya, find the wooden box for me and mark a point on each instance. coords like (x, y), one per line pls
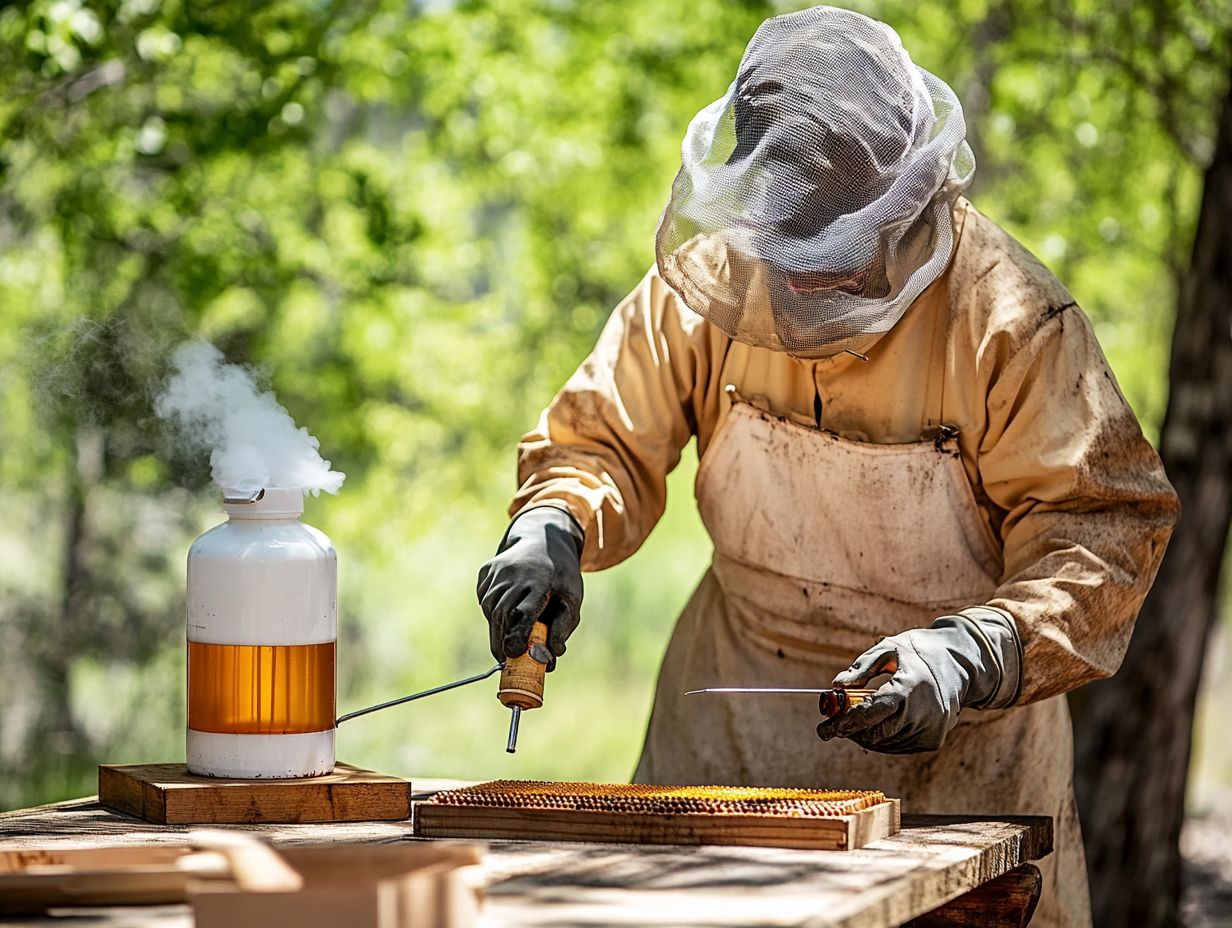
(167, 794)
(404, 885)
(360, 886)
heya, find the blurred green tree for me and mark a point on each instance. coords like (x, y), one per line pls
(412, 219)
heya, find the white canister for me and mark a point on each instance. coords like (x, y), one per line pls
(262, 641)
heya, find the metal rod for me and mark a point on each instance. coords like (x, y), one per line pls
(773, 689)
(432, 692)
(751, 689)
(515, 717)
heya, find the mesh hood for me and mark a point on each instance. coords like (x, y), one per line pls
(814, 200)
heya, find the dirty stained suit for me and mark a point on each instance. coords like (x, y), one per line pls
(841, 510)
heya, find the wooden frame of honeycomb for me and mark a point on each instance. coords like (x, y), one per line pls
(661, 800)
(750, 816)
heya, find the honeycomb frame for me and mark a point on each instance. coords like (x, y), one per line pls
(639, 799)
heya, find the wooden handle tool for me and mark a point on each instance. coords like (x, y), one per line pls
(255, 866)
(521, 682)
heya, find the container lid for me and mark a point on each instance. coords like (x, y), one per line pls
(258, 502)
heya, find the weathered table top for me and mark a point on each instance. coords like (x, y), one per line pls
(529, 883)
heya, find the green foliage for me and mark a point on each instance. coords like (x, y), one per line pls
(413, 219)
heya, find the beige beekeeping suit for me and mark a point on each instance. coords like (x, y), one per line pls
(982, 455)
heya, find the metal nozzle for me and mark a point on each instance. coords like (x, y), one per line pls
(514, 718)
(234, 497)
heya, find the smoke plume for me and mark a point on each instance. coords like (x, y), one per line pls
(253, 441)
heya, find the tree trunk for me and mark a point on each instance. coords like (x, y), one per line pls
(54, 647)
(1133, 733)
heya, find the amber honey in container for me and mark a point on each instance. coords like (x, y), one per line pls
(262, 638)
(255, 689)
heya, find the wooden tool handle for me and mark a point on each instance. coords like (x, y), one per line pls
(836, 702)
(255, 865)
(521, 682)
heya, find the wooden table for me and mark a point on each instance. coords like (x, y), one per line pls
(978, 865)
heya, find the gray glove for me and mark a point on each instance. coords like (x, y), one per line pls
(972, 659)
(535, 575)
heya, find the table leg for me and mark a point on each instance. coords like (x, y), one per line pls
(1006, 902)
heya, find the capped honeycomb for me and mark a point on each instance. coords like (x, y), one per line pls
(661, 800)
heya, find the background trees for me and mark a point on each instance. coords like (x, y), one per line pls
(413, 218)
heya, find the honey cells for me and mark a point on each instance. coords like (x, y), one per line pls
(662, 800)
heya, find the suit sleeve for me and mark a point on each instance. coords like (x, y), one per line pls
(1087, 507)
(603, 448)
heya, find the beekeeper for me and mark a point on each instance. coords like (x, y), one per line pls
(912, 450)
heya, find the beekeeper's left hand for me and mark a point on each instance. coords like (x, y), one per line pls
(972, 659)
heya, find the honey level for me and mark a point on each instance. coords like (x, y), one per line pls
(240, 689)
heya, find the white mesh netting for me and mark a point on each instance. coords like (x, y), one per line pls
(814, 200)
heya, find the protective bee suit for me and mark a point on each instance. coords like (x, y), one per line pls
(971, 457)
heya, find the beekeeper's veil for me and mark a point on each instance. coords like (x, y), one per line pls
(814, 200)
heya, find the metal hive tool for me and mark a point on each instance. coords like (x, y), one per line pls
(661, 800)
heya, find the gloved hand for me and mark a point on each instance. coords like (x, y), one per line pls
(535, 575)
(972, 659)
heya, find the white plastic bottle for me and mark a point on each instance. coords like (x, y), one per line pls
(262, 639)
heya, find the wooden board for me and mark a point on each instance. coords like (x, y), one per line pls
(167, 794)
(1008, 901)
(833, 833)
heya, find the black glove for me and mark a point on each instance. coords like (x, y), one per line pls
(973, 659)
(536, 575)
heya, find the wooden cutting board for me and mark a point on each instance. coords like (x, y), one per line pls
(167, 794)
(439, 818)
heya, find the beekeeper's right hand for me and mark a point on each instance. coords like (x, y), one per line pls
(535, 575)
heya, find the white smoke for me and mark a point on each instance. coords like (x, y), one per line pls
(253, 440)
